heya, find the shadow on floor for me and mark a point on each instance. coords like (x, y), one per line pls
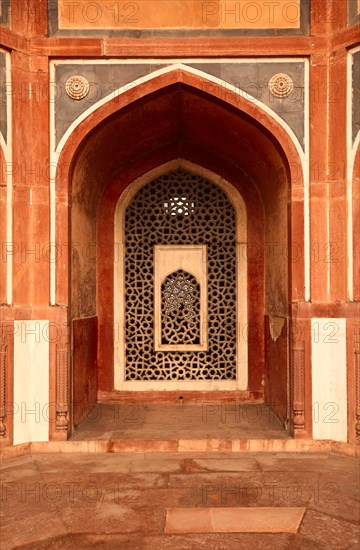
(180, 421)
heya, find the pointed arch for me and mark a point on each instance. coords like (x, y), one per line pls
(64, 159)
(193, 78)
(240, 211)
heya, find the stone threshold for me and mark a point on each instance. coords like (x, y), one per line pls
(188, 397)
(234, 520)
(183, 446)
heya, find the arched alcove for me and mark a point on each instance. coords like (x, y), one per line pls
(155, 125)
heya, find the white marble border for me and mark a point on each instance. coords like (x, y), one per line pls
(7, 148)
(351, 153)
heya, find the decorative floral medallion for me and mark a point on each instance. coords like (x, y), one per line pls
(281, 85)
(77, 87)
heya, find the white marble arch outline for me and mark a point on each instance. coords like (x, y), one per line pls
(119, 287)
(176, 64)
(7, 149)
(351, 154)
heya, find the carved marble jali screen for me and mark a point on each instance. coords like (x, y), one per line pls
(192, 222)
(180, 309)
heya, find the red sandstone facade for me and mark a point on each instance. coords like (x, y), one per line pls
(296, 166)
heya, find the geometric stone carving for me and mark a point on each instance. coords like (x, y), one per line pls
(62, 392)
(180, 210)
(3, 358)
(77, 87)
(357, 373)
(180, 308)
(281, 85)
(298, 388)
(180, 298)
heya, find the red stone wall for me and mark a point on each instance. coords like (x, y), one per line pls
(277, 367)
(84, 365)
(202, 127)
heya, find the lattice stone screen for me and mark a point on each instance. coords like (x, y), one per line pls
(180, 311)
(180, 297)
(180, 208)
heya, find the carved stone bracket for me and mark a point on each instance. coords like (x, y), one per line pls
(298, 388)
(357, 374)
(3, 360)
(62, 389)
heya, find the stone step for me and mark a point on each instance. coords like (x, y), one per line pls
(183, 446)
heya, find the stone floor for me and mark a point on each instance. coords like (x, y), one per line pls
(180, 421)
(123, 500)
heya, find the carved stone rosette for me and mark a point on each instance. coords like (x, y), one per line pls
(77, 87)
(357, 373)
(62, 389)
(298, 388)
(281, 85)
(3, 359)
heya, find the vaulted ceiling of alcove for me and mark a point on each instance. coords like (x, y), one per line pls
(191, 122)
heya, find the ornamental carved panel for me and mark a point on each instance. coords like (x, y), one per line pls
(180, 309)
(180, 298)
(186, 212)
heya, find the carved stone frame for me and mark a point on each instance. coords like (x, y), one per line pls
(241, 382)
(167, 259)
